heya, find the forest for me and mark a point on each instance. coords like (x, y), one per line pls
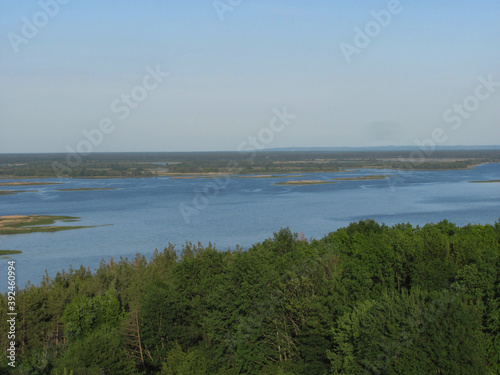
(365, 299)
(156, 164)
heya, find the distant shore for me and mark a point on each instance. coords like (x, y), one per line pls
(277, 169)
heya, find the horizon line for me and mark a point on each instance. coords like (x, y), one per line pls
(290, 149)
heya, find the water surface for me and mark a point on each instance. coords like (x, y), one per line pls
(145, 213)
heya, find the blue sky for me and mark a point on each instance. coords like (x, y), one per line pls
(226, 77)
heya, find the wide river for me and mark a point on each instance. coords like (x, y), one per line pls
(145, 213)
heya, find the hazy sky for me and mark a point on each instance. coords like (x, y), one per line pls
(64, 68)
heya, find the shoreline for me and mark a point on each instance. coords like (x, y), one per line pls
(216, 174)
(24, 224)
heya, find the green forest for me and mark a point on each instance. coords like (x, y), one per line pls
(151, 164)
(365, 299)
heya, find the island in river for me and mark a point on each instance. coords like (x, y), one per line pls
(20, 224)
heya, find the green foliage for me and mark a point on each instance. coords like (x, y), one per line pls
(125, 165)
(84, 314)
(63, 372)
(367, 298)
(413, 332)
(164, 317)
(100, 352)
(194, 362)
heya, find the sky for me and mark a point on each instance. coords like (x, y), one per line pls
(204, 75)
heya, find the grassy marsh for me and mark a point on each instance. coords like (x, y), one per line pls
(361, 178)
(87, 189)
(26, 183)
(10, 252)
(21, 224)
(306, 182)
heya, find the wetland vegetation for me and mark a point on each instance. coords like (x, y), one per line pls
(305, 182)
(123, 165)
(86, 189)
(373, 177)
(26, 183)
(10, 252)
(14, 192)
(21, 224)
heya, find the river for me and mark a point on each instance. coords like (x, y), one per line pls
(147, 213)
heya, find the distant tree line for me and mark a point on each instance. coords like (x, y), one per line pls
(152, 164)
(365, 299)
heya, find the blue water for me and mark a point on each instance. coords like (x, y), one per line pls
(145, 213)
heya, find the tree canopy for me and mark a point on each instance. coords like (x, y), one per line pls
(365, 299)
